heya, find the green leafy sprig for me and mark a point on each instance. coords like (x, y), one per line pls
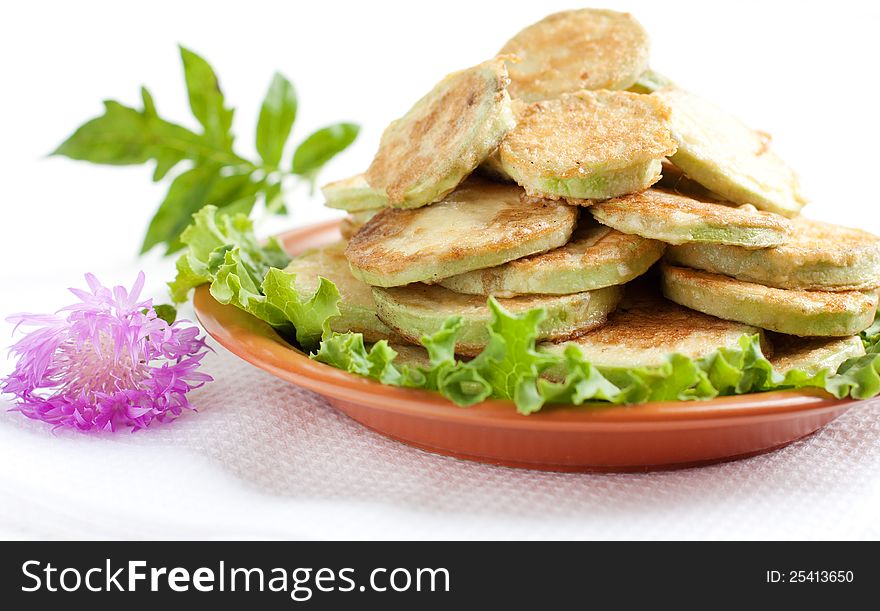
(223, 252)
(215, 174)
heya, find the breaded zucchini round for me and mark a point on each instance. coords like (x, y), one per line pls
(353, 194)
(812, 354)
(790, 311)
(676, 219)
(595, 257)
(420, 309)
(819, 256)
(356, 307)
(589, 145)
(580, 49)
(352, 223)
(480, 224)
(646, 328)
(726, 156)
(426, 153)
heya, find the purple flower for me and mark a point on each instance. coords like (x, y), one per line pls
(104, 363)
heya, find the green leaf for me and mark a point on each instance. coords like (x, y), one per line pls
(347, 351)
(238, 283)
(275, 299)
(321, 146)
(207, 238)
(277, 115)
(166, 312)
(310, 318)
(126, 136)
(273, 197)
(510, 368)
(441, 355)
(186, 195)
(222, 250)
(857, 377)
(190, 191)
(166, 157)
(678, 379)
(464, 386)
(206, 98)
(583, 382)
(510, 363)
(121, 136)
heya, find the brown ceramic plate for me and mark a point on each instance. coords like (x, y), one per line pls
(559, 438)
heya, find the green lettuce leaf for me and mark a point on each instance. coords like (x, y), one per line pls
(510, 363)
(311, 317)
(510, 368)
(222, 250)
(347, 351)
(583, 382)
(857, 377)
(210, 234)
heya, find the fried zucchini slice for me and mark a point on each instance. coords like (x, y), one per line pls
(676, 219)
(357, 310)
(729, 158)
(426, 153)
(579, 49)
(813, 354)
(589, 145)
(595, 257)
(353, 194)
(819, 256)
(352, 223)
(480, 224)
(420, 309)
(646, 328)
(789, 311)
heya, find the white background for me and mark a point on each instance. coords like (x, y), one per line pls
(803, 71)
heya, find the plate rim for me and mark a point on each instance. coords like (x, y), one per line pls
(257, 343)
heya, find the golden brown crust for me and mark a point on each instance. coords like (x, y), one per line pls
(728, 157)
(580, 49)
(436, 131)
(812, 353)
(478, 217)
(588, 130)
(840, 302)
(646, 329)
(647, 321)
(664, 207)
(818, 256)
(815, 241)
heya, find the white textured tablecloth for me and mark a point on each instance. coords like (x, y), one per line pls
(263, 458)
